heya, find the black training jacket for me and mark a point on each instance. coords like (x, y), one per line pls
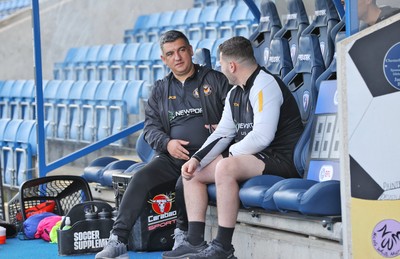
(156, 125)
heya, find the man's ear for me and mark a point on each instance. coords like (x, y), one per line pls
(163, 59)
(191, 50)
(232, 66)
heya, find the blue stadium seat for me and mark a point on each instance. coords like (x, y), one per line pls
(338, 33)
(74, 111)
(196, 29)
(68, 69)
(106, 70)
(194, 44)
(140, 24)
(118, 111)
(153, 67)
(279, 61)
(88, 112)
(5, 93)
(115, 167)
(151, 22)
(241, 22)
(27, 100)
(89, 60)
(142, 61)
(192, 16)
(102, 106)
(158, 69)
(177, 19)
(215, 54)
(136, 92)
(326, 17)
(100, 67)
(302, 79)
(319, 192)
(131, 66)
(92, 173)
(14, 99)
(143, 149)
(25, 150)
(3, 125)
(118, 69)
(62, 119)
(8, 164)
(58, 71)
(97, 55)
(213, 28)
(50, 102)
(268, 26)
(296, 23)
(202, 57)
(206, 44)
(154, 32)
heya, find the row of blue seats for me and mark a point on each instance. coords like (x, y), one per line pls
(11, 6)
(18, 149)
(277, 45)
(197, 23)
(78, 111)
(132, 61)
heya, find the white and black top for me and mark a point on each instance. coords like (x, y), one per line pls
(262, 116)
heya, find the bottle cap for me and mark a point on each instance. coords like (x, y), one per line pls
(2, 235)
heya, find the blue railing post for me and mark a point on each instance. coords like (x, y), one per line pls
(352, 22)
(41, 138)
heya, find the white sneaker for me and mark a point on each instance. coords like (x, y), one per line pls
(179, 236)
(113, 249)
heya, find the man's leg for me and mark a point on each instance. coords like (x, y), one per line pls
(180, 231)
(196, 200)
(228, 173)
(160, 170)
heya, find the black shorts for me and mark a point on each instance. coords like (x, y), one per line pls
(277, 164)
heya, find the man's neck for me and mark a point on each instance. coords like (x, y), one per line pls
(373, 14)
(246, 74)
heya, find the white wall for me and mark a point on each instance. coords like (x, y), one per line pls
(66, 24)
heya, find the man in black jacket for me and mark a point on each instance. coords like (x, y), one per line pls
(370, 13)
(183, 109)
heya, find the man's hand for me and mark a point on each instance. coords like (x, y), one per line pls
(176, 149)
(211, 128)
(189, 168)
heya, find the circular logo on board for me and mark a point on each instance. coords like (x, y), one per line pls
(391, 66)
(385, 238)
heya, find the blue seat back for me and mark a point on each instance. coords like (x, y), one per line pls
(297, 21)
(143, 149)
(279, 62)
(301, 82)
(326, 17)
(269, 25)
(202, 57)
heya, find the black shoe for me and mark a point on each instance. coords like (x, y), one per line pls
(185, 250)
(215, 251)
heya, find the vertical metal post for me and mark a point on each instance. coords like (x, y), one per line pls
(37, 53)
(352, 22)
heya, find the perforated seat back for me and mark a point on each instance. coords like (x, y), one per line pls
(296, 23)
(326, 17)
(268, 26)
(301, 82)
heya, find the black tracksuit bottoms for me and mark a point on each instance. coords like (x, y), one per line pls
(162, 169)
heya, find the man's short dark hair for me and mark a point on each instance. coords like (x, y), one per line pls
(171, 36)
(237, 47)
